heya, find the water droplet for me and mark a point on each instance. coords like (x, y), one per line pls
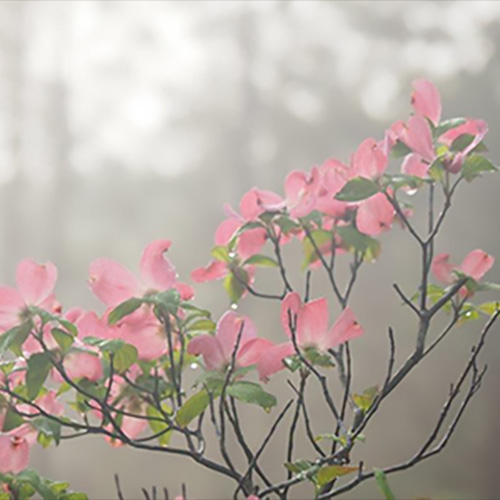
(411, 192)
(193, 366)
(232, 255)
(234, 306)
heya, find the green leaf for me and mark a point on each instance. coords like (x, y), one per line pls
(48, 428)
(315, 216)
(318, 358)
(328, 473)
(157, 426)
(354, 241)
(70, 327)
(400, 149)
(383, 484)
(202, 325)
(32, 477)
(38, 369)
(221, 254)
(260, 260)
(286, 224)
(403, 180)
(461, 142)
(252, 393)
(124, 357)
(15, 336)
(320, 237)
(365, 400)
(12, 420)
(193, 407)
(74, 495)
(448, 125)
(64, 340)
(357, 189)
(124, 309)
(489, 308)
(475, 165)
(304, 467)
(235, 287)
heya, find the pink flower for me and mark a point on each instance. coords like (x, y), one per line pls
(14, 452)
(416, 134)
(375, 215)
(35, 283)
(414, 165)
(311, 323)
(369, 160)
(113, 284)
(426, 100)
(300, 191)
(476, 264)
(333, 176)
(256, 201)
(217, 350)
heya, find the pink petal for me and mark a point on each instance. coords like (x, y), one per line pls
(290, 308)
(413, 165)
(14, 454)
(417, 135)
(312, 323)
(251, 242)
(35, 282)
(145, 334)
(300, 189)
(112, 283)
(426, 100)
(82, 364)
(226, 231)
(442, 269)
(375, 215)
(271, 361)
(49, 404)
(251, 352)
(211, 350)
(133, 427)
(157, 271)
(476, 128)
(369, 160)
(11, 305)
(476, 264)
(255, 202)
(215, 270)
(345, 328)
(185, 291)
(228, 328)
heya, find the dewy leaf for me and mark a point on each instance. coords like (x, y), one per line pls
(357, 189)
(261, 260)
(383, 484)
(193, 407)
(38, 369)
(475, 165)
(14, 336)
(124, 309)
(252, 393)
(330, 472)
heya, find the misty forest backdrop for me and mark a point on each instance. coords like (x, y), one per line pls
(122, 122)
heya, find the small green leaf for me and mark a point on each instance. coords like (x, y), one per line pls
(328, 473)
(64, 340)
(260, 260)
(124, 357)
(461, 142)
(193, 407)
(15, 336)
(38, 483)
(124, 309)
(400, 149)
(357, 189)
(365, 400)
(235, 286)
(354, 241)
(448, 125)
(158, 426)
(12, 420)
(489, 308)
(202, 325)
(221, 254)
(320, 237)
(38, 369)
(383, 484)
(286, 224)
(48, 428)
(475, 165)
(252, 393)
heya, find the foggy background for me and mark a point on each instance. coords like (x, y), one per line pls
(122, 122)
